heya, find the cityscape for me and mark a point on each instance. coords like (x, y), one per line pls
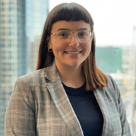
(21, 25)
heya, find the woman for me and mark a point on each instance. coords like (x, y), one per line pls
(67, 95)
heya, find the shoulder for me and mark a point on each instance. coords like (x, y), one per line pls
(41, 77)
(30, 85)
(111, 83)
(34, 78)
(112, 88)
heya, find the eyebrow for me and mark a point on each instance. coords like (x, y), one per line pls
(69, 30)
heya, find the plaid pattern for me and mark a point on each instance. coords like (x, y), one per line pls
(39, 106)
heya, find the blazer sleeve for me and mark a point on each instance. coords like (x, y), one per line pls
(122, 113)
(20, 112)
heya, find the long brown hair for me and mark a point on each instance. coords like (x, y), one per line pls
(95, 78)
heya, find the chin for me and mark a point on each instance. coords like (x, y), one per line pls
(76, 64)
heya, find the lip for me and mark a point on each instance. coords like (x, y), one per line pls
(73, 52)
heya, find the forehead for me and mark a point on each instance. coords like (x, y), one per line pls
(71, 25)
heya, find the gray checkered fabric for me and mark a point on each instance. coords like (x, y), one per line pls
(39, 106)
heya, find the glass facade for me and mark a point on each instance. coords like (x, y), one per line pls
(21, 25)
(109, 59)
(36, 12)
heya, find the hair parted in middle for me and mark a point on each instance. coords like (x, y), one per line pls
(94, 77)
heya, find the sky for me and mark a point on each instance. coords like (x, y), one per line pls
(114, 20)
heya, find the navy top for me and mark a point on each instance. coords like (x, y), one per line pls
(86, 109)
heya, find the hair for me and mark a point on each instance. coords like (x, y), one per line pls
(94, 77)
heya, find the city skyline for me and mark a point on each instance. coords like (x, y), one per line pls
(21, 25)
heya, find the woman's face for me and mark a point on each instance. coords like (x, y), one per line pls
(71, 53)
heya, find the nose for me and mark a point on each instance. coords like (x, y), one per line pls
(73, 41)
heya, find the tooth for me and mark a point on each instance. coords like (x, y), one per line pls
(72, 52)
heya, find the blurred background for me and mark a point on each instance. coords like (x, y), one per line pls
(21, 25)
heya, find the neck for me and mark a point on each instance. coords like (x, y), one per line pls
(71, 76)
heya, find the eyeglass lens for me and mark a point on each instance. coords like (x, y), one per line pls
(64, 36)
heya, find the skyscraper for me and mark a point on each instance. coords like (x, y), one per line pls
(109, 59)
(21, 25)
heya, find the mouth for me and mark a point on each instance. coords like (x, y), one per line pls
(73, 52)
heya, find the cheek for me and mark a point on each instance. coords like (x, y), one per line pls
(57, 47)
(87, 46)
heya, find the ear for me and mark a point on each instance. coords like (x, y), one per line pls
(92, 35)
(49, 42)
(49, 46)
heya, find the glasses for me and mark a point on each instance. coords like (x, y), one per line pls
(64, 36)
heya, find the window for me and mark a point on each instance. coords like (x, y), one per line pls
(11, 8)
(10, 21)
(10, 33)
(3, 57)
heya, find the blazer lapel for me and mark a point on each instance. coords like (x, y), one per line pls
(98, 95)
(61, 101)
(108, 109)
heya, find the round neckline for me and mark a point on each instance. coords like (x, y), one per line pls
(75, 91)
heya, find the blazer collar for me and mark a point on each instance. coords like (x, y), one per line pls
(51, 72)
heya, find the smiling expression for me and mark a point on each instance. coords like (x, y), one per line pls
(70, 54)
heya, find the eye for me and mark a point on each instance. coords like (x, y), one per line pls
(82, 34)
(63, 34)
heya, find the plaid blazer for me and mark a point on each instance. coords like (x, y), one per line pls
(39, 106)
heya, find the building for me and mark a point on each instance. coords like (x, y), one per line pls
(109, 59)
(21, 22)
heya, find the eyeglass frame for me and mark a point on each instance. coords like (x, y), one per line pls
(76, 34)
